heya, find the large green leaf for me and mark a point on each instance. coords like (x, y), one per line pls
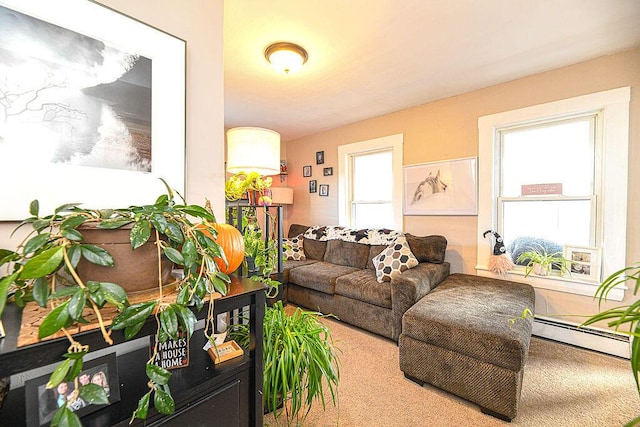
(189, 253)
(169, 322)
(132, 330)
(133, 314)
(164, 402)
(97, 255)
(157, 374)
(174, 232)
(159, 222)
(114, 294)
(73, 222)
(143, 407)
(140, 233)
(66, 207)
(198, 211)
(5, 282)
(35, 243)
(7, 256)
(74, 252)
(34, 207)
(186, 317)
(55, 320)
(76, 367)
(174, 255)
(77, 303)
(94, 394)
(41, 291)
(111, 224)
(59, 373)
(43, 264)
(72, 234)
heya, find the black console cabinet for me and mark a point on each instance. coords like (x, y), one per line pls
(228, 394)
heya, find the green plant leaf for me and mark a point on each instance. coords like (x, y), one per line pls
(76, 303)
(43, 264)
(34, 207)
(97, 255)
(94, 394)
(143, 407)
(64, 417)
(183, 296)
(74, 252)
(189, 253)
(159, 222)
(169, 322)
(114, 294)
(66, 207)
(72, 234)
(132, 330)
(64, 292)
(55, 320)
(198, 211)
(41, 291)
(75, 356)
(186, 317)
(174, 232)
(57, 376)
(41, 224)
(174, 255)
(35, 243)
(164, 402)
(73, 222)
(74, 371)
(133, 314)
(140, 234)
(157, 374)
(7, 256)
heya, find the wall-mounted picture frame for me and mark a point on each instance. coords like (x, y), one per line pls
(41, 403)
(306, 171)
(92, 122)
(324, 190)
(313, 186)
(319, 157)
(447, 187)
(327, 171)
(584, 262)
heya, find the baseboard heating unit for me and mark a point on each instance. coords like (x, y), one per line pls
(591, 338)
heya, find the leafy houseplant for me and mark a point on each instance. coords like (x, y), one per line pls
(625, 319)
(53, 249)
(539, 261)
(246, 183)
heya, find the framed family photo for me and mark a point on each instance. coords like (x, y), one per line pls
(306, 171)
(41, 403)
(584, 262)
(313, 186)
(98, 113)
(448, 187)
(324, 190)
(327, 171)
(319, 157)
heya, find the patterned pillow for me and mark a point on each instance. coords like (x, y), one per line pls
(394, 260)
(293, 249)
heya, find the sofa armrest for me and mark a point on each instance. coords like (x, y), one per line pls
(410, 286)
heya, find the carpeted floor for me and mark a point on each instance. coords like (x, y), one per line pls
(563, 386)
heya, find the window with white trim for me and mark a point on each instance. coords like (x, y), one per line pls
(370, 183)
(557, 172)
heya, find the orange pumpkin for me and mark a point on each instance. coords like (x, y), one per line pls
(231, 242)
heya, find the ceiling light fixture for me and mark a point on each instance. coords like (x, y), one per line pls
(286, 57)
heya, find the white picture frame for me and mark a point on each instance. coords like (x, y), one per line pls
(584, 263)
(448, 187)
(56, 179)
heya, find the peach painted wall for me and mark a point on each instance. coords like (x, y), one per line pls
(448, 129)
(200, 24)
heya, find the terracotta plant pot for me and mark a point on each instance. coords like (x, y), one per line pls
(135, 271)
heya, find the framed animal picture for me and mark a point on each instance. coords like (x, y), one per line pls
(448, 187)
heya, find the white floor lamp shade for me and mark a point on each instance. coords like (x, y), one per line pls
(251, 149)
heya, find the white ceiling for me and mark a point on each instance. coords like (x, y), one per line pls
(372, 57)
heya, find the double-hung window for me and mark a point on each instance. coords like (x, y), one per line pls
(557, 173)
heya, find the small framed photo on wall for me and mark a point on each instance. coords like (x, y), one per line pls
(319, 157)
(306, 171)
(327, 171)
(313, 186)
(324, 189)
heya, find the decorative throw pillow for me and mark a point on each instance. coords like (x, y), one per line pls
(394, 260)
(293, 248)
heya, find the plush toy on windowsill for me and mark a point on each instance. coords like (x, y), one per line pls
(500, 261)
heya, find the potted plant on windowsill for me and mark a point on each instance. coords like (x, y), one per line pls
(539, 261)
(44, 268)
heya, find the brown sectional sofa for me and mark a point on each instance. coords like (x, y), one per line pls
(338, 277)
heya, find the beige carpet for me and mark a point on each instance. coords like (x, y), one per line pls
(563, 386)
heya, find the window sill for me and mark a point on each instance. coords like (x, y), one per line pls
(555, 283)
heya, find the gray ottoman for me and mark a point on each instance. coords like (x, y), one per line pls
(459, 338)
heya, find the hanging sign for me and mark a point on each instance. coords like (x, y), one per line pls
(541, 189)
(172, 354)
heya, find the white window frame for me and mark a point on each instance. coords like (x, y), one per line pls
(613, 122)
(345, 172)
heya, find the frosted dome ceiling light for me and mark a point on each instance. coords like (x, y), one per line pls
(286, 57)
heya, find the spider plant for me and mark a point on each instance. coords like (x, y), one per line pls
(539, 261)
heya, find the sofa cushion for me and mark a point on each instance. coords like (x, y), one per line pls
(349, 254)
(374, 250)
(294, 248)
(314, 249)
(428, 248)
(394, 260)
(295, 229)
(320, 276)
(363, 286)
(288, 265)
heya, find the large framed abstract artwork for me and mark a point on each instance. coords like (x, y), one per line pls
(441, 188)
(92, 107)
